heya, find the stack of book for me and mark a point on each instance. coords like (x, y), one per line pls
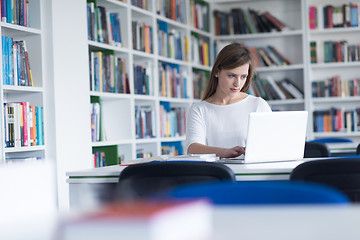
(337, 120)
(199, 14)
(172, 81)
(336, 87)
(172, 120)
(144, 122)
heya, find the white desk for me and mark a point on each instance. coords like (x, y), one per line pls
(287, 222)
(93, 183)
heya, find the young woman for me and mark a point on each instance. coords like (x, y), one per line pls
(218, 124)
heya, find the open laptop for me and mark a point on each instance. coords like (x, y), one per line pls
(274, 136)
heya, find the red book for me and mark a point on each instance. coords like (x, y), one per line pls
(25, 108)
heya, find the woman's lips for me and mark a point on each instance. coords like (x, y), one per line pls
(234, 89)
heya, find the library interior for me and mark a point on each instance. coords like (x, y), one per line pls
(95, 98)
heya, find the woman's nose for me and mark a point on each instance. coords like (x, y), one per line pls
(236, 82)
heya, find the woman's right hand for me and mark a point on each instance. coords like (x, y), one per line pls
(232, 152)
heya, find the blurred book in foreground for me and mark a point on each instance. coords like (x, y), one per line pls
(143, 220)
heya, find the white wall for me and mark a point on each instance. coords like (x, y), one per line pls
(67, 88)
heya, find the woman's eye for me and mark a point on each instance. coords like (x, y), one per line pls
(231, 76)
(243, 76)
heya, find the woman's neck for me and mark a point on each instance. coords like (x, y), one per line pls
(226, 100)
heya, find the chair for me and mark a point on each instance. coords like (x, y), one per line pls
(358, 150)
(340, 173)
(148, 179)
(260, 192)
(333, 140)
(316, 149)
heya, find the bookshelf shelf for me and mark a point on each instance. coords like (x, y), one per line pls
(110, 95)
(324, 34)
(280, 68)
(334, 30)
(261, 35)
(201, 32)
(22, 86)
(10, 89)
(171, 60)
(111, 143)
(336, 100)
(25, 149)
(100, 46)
(173, 139)
(175, 100)
(335, 65)
(286, 102)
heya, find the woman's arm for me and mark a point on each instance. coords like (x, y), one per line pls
(197, 148)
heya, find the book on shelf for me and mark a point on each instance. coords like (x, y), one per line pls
(200, 81)
(172, 80)
(245, 21)
(140, 3)
(144, 122)
(106, 156)
(174, 10)
(336, 87)
(142, 35)
(15, 12)
(23, 124)
(334, 16)
(16, 67)
(108, 72)
(145, 220)
(143, 76)
(337, 120)
(199, 14)
(103, 26)
(172, 120)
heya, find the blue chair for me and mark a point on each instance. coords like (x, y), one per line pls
(261, 192)
(332, 140)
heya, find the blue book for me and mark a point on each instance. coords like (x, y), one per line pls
(354, 20)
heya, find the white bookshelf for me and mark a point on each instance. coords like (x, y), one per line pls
(118, 114)
(32, 35)
(321, 70)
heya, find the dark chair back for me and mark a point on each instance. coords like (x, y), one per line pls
(358, 150)
(146, 179)
(316, 149)
(340, 173)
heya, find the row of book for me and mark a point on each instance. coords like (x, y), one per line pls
(16, 160)
(141, 4)
(336, 87)
(169, 150)
(144, 122)
(199, 15)
(15, 12)
(337, 120)
(268, 56)
(330, 16)
(200, 82)
(200, 50)
(141, 153)
(108, 72)
(340, 51)
(103, 26)
(172, 43)
(143, 79)
(23, 124)
(271, 89)
(245, 21)
(99, 159)
(172, 9)
(142, 35)
(172, 81)
(16, 63)
(172, 120)
(95, 111)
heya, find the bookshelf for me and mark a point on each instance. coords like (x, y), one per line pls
(162, 49)
(22, 86)
(333, 76)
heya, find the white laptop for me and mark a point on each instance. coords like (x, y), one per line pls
(274, 136)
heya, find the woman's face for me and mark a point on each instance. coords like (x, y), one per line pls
(231, 81)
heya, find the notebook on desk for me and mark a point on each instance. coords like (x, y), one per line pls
(274, 136)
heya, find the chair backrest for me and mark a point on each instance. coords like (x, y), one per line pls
(261, 192)
(316, 149)
(358, 150)
(340, 173)
(147, 179)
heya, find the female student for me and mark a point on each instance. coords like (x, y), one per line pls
(218, 124)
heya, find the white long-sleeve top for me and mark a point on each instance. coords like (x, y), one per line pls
(221, 125)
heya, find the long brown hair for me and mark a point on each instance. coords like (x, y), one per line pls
(231, 56)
